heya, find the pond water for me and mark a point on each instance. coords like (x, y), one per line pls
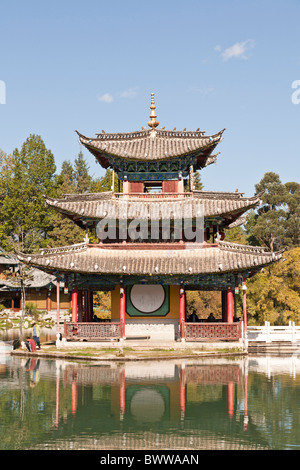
(225, 404)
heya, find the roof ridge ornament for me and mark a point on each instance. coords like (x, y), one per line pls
(153, 123)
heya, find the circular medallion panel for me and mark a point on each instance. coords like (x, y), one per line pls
(147, 298)
(147, 406)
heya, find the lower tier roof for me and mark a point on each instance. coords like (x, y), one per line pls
(150, 260)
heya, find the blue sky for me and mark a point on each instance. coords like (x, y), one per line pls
(91, 65)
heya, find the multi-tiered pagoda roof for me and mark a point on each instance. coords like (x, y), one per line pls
(148, 155)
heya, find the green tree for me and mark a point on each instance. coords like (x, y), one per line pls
(66, 180)
(104, 183)
(63, 230)
(274, 294)
(102, 304)
(274, 192)
(203, 303)
(197, 184)
(19, 279)
(292, 225)
(6, 166)
(82, 178)
(24, 217)
(73, 179)
(236, 235)
(276, 223)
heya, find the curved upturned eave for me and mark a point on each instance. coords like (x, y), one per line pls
(98, 208)
(98, 260)
(102, 149)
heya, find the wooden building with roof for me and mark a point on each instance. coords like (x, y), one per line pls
(156, 239)
(39, 287)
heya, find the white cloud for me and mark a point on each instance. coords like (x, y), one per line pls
(106, 98)
(239, 50)
(129, 93)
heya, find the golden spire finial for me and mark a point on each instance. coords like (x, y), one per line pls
(153, 123)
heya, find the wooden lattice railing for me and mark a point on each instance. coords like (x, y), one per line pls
(98, 331)
(212, 331)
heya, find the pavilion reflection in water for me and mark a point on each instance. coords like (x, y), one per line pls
(180, 404)
(143, 394)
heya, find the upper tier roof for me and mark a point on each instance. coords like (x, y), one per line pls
(152, 144)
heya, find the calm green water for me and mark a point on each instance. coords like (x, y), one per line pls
(249, 403)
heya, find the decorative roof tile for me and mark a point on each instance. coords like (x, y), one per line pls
(151, 145)
(100, 205)
(191, 259)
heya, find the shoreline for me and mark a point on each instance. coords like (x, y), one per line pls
(127, 351)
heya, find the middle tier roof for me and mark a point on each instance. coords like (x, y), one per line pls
(95, 206)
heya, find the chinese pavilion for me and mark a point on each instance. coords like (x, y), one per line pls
(158, 238)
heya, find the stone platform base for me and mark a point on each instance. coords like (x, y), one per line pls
(155, 330)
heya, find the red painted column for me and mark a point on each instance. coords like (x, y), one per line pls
(74, 398)
(122, 393)
(181, 310)
(245, 304)
(79, 298)
(182, 391)
(74, 305)
(230, 399)
(122, 310)
(91, 303)
(224, 306)
(86, 306)
(246, 402)
(57, 305)
(57, 399)
(229, 305)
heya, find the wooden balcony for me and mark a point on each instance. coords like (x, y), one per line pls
(87, 331)
(154, 195)
(215, 331)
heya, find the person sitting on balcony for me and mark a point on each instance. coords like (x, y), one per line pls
(211, 317)
(193, 317)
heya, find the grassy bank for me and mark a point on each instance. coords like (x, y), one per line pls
(128, 353)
